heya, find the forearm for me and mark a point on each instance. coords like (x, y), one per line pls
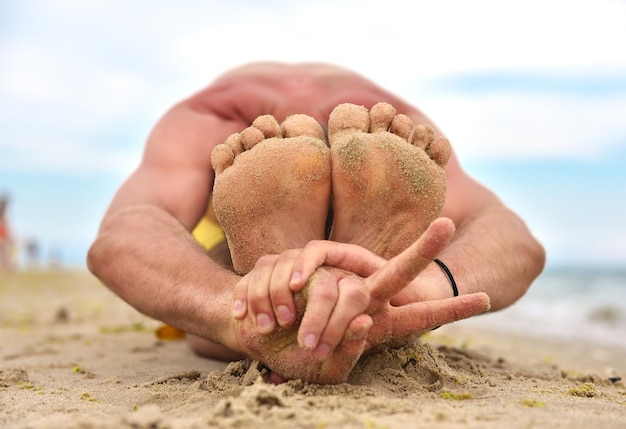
(150, 260)
(493, 252)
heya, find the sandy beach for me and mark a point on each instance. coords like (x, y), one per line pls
(73, 355)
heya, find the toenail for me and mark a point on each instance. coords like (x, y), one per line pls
(296, 279)
(264, 322)
(284, 314)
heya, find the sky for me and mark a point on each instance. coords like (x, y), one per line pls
(532, 96)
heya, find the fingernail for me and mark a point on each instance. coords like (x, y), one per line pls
(284, 314)
(310, 341)
(359, 334)
(322, 351)
(296, 278)
(264, 322)
(238, 308)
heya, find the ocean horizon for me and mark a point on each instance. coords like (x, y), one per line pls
(568, 302)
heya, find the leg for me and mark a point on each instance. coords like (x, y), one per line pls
(388, 177)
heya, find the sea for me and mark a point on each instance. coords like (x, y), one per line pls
(568, 303)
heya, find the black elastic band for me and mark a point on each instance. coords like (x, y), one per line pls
(445, 269)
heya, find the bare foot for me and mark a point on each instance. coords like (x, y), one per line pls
(272, 175)
(388, 177)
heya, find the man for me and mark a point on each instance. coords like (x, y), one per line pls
(145, 253)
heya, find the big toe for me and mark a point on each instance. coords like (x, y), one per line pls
(268, 125)
(347, 118)
(381, 115)
(302, 125)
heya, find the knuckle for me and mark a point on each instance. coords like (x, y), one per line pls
(360, 296)
(313, 243)
(327, 294)
(354, 291)
(278, 295)
(315, 246)
(266, 260)
(291, 253)
(256, 293)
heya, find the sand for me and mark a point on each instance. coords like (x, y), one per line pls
(73, 355)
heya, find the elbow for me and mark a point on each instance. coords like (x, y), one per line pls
(96, 257)
(537, 258)
(531, 265)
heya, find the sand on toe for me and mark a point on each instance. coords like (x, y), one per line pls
(388, 177)
(272, 175)
(73, 355)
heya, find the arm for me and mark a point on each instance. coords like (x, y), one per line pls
(144, 251)
(492, 251)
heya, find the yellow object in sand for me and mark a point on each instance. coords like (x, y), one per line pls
(208, 233)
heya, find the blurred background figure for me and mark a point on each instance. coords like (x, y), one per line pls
(32, 252)
(6, 241)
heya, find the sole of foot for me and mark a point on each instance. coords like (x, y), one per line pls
(388, 177)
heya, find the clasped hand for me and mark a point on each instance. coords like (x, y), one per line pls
(311, 313)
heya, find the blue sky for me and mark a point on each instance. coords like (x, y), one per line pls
(531, 94)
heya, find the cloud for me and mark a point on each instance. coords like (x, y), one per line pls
(510, 125)
(608, 83)
(81, 84)
(54, 154)
(85, 79)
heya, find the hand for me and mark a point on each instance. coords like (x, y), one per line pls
(281, 352)
(336, 300)
(333, 297)
(384, 280)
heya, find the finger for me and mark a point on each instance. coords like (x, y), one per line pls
(340, 363)
(349, 257)
(321, 299)
(402, 269)
(259, 302)
(353, 300)
(422, 316)
(281, 295)
(240, 298)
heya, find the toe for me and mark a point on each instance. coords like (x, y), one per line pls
(423, 136)
(381, 116)
(268, 125)
(440, 151)
(234, 143)
(222, 157)
(302, 125)
(250, 137)
(347, 118)
(401, 125)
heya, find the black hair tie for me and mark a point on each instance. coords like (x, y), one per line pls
(446, 270)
